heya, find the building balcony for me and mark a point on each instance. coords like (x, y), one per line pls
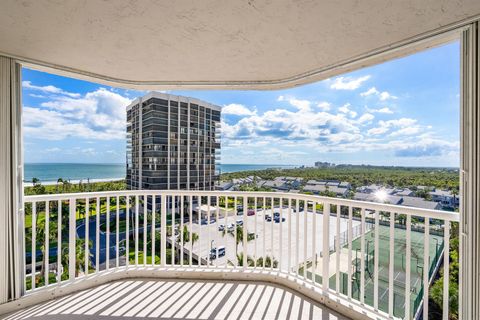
(130, 253)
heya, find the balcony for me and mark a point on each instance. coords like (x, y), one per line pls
(123, 245)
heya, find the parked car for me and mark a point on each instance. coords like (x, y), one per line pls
(239, 222)
(221, 227)
(250, 212)
(277, 219)
(217, 252)
(268, 217)
(231, 227)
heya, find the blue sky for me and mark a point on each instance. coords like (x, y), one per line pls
(402, 112)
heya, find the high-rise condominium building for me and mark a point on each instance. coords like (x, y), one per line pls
(173, 143)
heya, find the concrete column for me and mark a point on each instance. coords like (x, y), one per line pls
(469, 293)
(11, 185)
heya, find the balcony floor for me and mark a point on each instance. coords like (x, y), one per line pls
(180, 299)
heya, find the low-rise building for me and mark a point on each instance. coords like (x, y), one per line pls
(420, 203)
(445, 197)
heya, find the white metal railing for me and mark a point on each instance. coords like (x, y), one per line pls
(378, 263)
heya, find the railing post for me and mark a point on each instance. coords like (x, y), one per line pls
(163, 230)
(72, 239)
(326, 245)
(245, 232)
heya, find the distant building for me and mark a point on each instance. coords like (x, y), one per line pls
(404, 192)
(172, 143)
(420, 203)
(398, 200)
(445, 197)
(320, 164)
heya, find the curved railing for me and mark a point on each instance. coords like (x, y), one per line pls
(372, 254)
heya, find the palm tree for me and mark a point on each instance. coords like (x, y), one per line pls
(186, 236)
(59, 181)
(239, 237)
(40, 231)
(269, 262)
(240, 260)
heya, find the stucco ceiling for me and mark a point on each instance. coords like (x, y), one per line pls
(249, 42)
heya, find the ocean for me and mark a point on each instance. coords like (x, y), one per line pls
(50, 172)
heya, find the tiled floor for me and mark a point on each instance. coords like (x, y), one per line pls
(180, 299)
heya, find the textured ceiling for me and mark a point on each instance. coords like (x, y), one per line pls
(208, 41)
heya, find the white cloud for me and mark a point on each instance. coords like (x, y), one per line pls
(384, 95)
(367, 117)
(369, 92)
(385, 126)
(348, 83)
(237, 109)
(345, 109)
(303, 105)
(324, 106)
(406, 131)
(48, 89)
(381, 110)
(98, 115)
(377, 131)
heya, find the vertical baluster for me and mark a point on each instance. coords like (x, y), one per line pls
(163, 229)
(172, 238)
(255, 230)
(326, 246)
(264, 233)
(408, 267)
(137, 227)
(72, 239)
(47, 241)
(127, 227)
(280, 248)
(210, 246)
(305, 238)
(297, 236)
(107, 235)
(97, 236)
(426, 267)
(145, 228)
(314, 242)
(446, 268)
(200, 236)
(181, 228)
(59, 241)
(216, 225)
(362, 257)
(154, 212)
(34, 243)
(350, 241)
(226, 229)
(376, 260)
(337, 250)
(117, 232)
(391, 264)
(190, 211)
(289, 240)
(235, 224)
(245, 231)
(271, 226)
(87, 234)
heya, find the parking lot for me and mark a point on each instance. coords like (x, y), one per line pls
(277, 239)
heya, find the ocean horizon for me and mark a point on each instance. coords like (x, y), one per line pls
(51, 172)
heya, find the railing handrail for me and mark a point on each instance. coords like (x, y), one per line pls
(411, 211)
